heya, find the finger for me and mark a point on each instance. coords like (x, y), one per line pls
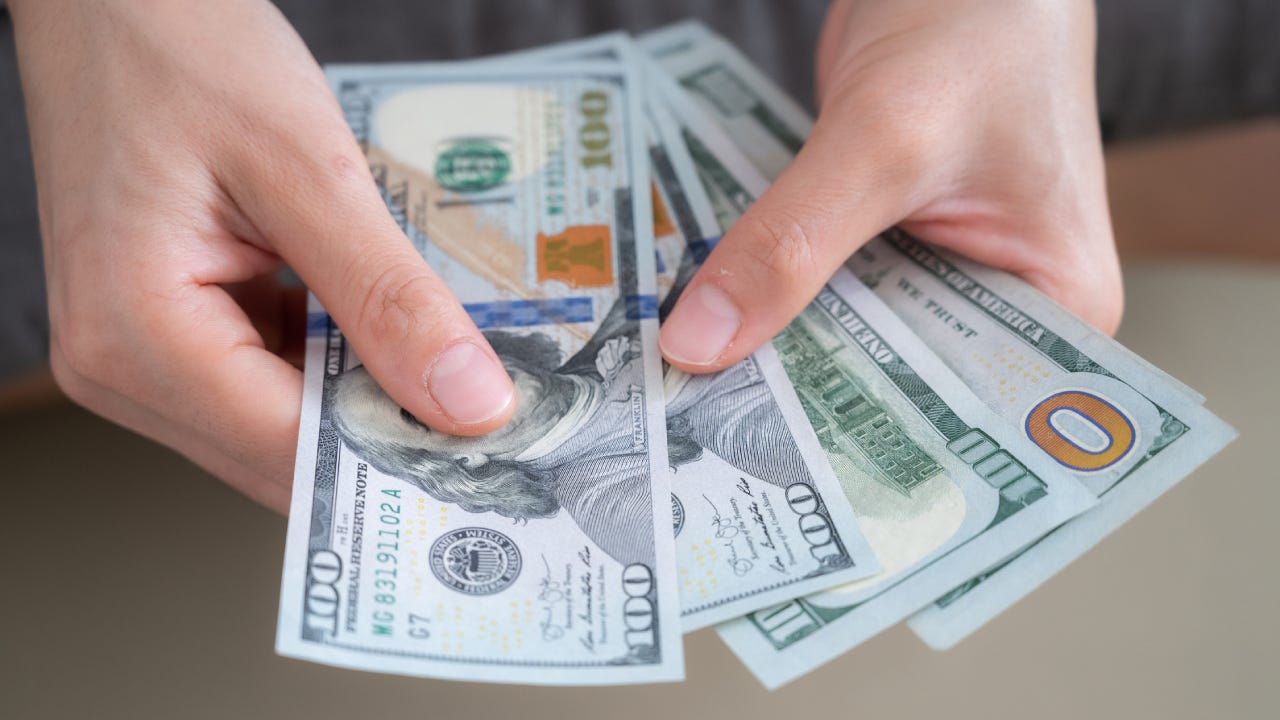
(260, 298)
(850, 181)
(293, 330)
(318, 207)
(1090, 286)
(223, 384)
(268, 490)
(277, 312)
(1069, 256)
(164, 356)
(273, 493)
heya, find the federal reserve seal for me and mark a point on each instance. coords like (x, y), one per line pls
(475, 561)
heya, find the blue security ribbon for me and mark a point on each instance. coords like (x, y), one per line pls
(524, 313)
(700, 249)
(317, 324)
(642, 307)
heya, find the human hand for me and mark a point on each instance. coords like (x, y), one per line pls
(184, 151)
(972, 124)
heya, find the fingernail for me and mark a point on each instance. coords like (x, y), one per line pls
(702, 325)
(469, 385)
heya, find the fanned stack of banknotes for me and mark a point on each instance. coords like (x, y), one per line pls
(928, 442)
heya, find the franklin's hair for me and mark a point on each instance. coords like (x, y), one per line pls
(681, 448)
(511, 489)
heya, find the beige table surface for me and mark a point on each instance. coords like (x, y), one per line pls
(134, 586)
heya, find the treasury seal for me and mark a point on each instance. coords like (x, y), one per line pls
(475, 561)
(677, 514)
(472, 165)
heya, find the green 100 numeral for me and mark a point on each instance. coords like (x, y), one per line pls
(594, 136)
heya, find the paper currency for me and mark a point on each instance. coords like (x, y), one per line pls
(729, 181)
(941, 486)
(931, 436)
(541, 553)
(961, 309)
(759, 514)
(767, 125)
(864, 418)
(1123, 432)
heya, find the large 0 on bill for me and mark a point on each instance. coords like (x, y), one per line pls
(541, 553)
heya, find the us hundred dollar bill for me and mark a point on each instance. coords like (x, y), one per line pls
(941, 487)
(759, 516)
(1120, 425)
(1120, 430)
(767, 126)
(541, 553)
(730, 183)
(759, 513)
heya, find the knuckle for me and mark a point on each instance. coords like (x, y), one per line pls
(318, 165)
(325, 151)
(96, 328)
(78, 355)
(900, 131)
(906, 151)
(782, 245)
(401, 302)
(68, 378)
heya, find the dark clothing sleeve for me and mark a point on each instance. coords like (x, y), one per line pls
(1171, 65)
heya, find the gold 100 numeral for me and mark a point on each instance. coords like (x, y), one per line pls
(594, 136)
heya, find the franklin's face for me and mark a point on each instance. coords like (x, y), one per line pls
(366, 410)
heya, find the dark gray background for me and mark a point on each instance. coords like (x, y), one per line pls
(1163, 65)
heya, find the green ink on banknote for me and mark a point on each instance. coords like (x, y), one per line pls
(472, 165)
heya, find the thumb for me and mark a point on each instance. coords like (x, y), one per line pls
(850, 181)
(321, 211)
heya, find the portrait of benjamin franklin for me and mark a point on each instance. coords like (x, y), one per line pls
(573, 444)
(733, 414)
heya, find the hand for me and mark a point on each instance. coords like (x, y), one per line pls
(970, 123)
(184, 151)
